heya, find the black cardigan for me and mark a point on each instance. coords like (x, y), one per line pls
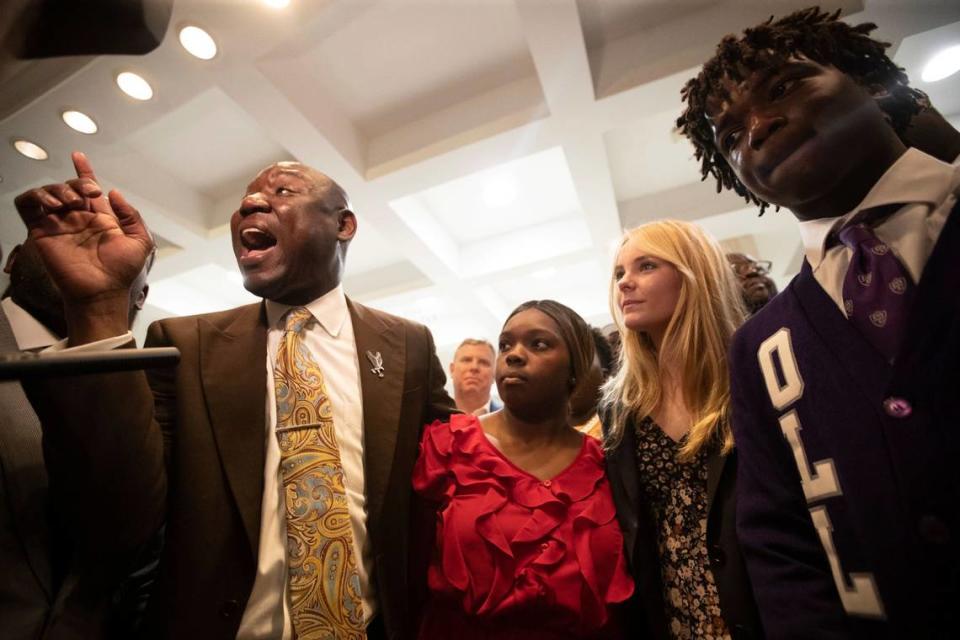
(737, 603)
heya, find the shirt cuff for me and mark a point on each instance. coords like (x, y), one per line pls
(107, 344)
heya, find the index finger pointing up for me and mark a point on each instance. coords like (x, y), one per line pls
(82, 166)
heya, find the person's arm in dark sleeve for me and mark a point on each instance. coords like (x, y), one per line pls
(104, 456)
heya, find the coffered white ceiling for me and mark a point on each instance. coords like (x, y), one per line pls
(493, 149)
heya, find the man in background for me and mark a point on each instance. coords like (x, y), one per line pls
(41, 578)
(754, 276)
(472, 374)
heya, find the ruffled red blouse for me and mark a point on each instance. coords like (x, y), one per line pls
(517, 557)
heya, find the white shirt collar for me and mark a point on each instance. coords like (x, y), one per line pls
(914, 178)
(330, 310)
(29, 332)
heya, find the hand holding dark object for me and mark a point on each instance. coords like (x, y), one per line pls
(93, 246)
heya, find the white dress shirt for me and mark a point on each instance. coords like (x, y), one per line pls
(331, 342)
(926, 187)
(483, 409)
(29, 333)
(32, 335)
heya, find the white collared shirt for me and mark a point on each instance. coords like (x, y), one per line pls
(29, 333)
(32, 335)
(928, 190)
(331, 342)
(483, 409)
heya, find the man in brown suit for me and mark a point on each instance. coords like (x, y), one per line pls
(194, 448)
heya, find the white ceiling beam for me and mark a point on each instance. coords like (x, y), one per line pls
(555, 37)
(288, 125)
(590, 169)
(485, 153)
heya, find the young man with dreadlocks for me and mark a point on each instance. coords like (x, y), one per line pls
(844, 387)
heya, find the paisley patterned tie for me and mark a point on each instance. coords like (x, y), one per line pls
(322, 576)
(877, 290)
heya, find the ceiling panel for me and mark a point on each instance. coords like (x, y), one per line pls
(607, 20)
(425, 56)
(582, 286)
(650, 156)
(233, 146)
(516, 194)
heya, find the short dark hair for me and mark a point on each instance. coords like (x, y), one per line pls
(604, 351)
(574, 331)
(814, 34)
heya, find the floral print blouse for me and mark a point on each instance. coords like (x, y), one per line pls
(677, 494)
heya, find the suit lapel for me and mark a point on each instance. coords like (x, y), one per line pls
(24, 475)
(382, 399)
(234, 375)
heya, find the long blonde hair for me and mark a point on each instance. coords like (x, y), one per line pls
(709, 309)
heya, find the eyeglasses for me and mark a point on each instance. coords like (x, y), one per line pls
(759, 267)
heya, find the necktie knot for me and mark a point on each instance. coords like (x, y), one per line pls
(297, 319)
(859, 230)
(877, 289)
(859, 234)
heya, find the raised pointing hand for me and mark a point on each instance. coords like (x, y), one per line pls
(93, 246)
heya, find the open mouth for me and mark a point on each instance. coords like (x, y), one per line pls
(256, 242)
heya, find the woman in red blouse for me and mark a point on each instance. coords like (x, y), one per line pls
(527, 543)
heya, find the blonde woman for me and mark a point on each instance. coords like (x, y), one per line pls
(670, 454)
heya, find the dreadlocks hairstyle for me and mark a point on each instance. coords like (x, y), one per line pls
(814, 34)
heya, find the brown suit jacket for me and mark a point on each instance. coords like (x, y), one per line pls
(196, 461)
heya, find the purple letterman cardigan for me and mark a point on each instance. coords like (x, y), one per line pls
(879, 449)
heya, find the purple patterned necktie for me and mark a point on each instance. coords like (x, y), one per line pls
(877, 290)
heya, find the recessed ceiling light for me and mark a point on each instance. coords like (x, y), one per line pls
(29, 149)
(943, 65)
(198, 42)
(79, 121)
(500, 192)
(134, 86)
(277, 4)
